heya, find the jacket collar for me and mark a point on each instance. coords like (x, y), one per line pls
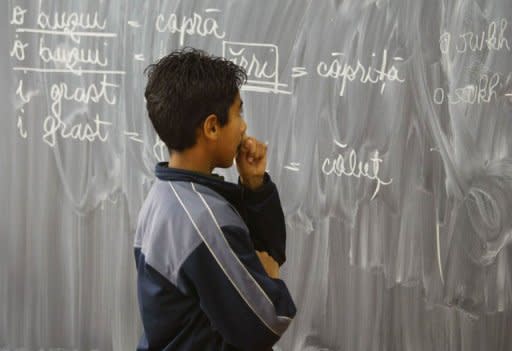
(230, 191)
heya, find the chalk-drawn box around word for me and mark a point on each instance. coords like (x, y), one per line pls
(261, 61)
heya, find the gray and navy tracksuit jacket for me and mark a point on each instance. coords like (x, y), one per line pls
(200, 283)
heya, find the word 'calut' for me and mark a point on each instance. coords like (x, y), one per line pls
(69, 22)
(491, 39)
(339, 68)
(188, 25)
(70, 57)
(351, 167)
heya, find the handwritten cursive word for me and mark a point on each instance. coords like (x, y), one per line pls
(188, 26)
(486, 40)
(261, 62)
(61, 91)
(338, 68)
(54, 126)
(254, 66)
(355, 168)
(70, 57)
(69, 22)
(484, 92)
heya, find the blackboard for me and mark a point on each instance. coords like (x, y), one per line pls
(389, 125)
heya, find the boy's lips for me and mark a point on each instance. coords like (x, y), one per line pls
(238, 147)
(240, 144)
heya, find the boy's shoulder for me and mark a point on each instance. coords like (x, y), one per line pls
(195, 201)
(184, 207)
(176, 218)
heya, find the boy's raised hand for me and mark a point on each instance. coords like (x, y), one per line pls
(251, 162)
(269, 264)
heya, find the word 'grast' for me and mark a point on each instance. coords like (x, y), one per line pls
(61, 91)
(53, 126)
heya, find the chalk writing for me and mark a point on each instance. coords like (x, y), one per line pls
(70, 57)
(160, 150)
(350, 166)
(18, 15)
(134, 136)
(339, 68)
(69, 22)
(298, 72)
(509, 96)
(253, 66)
(261, 61)
(483, 92)
(54, 126)
(21, 130)
(67, 59)
(18, 50)
(19, 92)
(185, 25)
(293, 166)
(77, 72)
(68, 34)
(134, 24)
(492, 39)
(24, 99)
(61, 91)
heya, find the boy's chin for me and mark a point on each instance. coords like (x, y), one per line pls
(226, 164)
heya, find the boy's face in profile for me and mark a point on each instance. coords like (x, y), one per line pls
(231, 134)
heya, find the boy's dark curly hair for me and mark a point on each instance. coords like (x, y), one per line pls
(185, 87)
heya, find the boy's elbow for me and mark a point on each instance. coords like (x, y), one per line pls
(257, 342)
(255, 337)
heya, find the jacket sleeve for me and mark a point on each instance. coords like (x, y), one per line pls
(265, 219)
(248, 308)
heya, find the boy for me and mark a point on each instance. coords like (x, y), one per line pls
(201, 283)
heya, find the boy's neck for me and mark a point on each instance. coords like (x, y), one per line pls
(191, 160)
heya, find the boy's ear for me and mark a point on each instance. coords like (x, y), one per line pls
(211, 127)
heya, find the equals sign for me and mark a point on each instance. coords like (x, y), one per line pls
(133, 136)
(134, 24)
(293, 166)
(298, 72)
